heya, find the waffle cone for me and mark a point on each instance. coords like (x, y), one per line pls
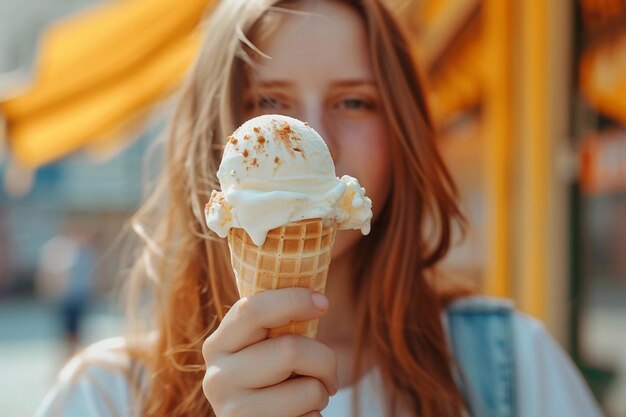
(294, 255)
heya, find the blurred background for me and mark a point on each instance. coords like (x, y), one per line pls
(529, 98)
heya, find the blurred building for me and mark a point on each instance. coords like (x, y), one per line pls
(530, 102)
(75, 192)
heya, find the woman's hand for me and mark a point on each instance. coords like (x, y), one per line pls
(247, 374)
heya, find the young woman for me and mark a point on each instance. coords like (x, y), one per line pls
(386, 336)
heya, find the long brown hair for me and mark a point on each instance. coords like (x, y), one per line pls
(185, 269)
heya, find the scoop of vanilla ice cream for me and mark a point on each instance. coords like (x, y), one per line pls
(276, 170)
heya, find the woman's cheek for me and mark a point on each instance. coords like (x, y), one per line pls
(364, 155)
(369, 162)
(344, 241)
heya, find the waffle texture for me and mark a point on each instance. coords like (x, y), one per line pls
(294, 255)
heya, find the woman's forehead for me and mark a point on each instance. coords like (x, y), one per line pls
(328, 42)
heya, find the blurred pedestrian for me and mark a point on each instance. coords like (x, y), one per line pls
(65, 275)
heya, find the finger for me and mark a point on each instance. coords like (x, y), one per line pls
(272, 361)
(250, 317)
(296, 396)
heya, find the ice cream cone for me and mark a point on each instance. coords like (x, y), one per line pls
(294, 255)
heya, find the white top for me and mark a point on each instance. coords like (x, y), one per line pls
(549, 384)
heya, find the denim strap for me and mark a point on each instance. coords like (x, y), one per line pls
(481, 335)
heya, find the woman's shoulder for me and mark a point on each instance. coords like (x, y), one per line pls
(482, 311)
(487, 323)
(476, 323)
(95, 382)
(492, 341)
(111, 354)
(499, 316)
(477, 304)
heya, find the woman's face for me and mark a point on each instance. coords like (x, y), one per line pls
(320, 72)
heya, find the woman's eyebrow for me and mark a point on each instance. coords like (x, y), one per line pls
(354, 83)
(272, 83)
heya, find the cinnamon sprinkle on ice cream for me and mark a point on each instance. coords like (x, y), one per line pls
(267, 185)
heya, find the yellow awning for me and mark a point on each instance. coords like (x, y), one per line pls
(99, 69)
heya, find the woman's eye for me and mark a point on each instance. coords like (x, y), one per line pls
(356, 104)
(267, 102)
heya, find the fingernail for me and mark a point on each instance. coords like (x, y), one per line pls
(336, 386)
(320, 301)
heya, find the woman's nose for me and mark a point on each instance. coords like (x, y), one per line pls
(320, 123)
